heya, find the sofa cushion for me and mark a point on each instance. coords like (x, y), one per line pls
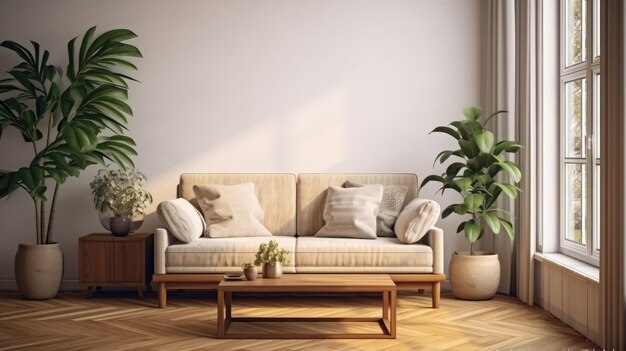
(183, 220)
(312, 187)
(390, 207)
(351, 212)
(340, 255)
(231, 210)
(275, 191)
(222, 255)
(416, 219)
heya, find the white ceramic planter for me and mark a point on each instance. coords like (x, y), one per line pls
(474, 277)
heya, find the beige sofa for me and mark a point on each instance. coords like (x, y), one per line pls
(293, 207)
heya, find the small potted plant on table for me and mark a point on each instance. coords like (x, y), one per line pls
(120, 199)
(272, 257)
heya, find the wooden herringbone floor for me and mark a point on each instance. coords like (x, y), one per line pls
(119, 321)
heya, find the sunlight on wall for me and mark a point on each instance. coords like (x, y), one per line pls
(312, 140)
(252, 148)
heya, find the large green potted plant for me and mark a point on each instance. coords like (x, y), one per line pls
(70, 121)
(479, 171)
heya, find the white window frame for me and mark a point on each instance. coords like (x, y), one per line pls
(588, 69)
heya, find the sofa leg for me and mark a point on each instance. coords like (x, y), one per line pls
(436, 294)
(162, 295)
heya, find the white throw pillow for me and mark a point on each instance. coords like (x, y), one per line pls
(231, 210)
(390, 207)
(181, 219)
(416, 218)
(351, 212)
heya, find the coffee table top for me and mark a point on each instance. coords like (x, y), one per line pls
(313, 283)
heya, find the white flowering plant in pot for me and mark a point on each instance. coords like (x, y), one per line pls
(119, 193)
(272, 257)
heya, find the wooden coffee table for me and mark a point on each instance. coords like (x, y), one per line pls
(310, 283)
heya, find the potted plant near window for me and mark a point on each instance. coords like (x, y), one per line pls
(272, 257)
(120, 199)
(478, 170)
(70, 121)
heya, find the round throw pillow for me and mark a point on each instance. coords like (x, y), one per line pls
(415, 219)
(181, 219)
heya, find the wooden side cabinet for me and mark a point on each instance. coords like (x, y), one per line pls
(107, 260)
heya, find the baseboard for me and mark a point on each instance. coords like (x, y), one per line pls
(8, 285)
(66, 285)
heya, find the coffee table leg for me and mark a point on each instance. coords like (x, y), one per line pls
(385, 305)
(229, 304)
(392, 319)
(220, 313)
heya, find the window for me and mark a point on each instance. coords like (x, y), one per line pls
(579, 129)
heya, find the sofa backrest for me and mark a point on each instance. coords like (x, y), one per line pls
(276, 193)
(311, 193)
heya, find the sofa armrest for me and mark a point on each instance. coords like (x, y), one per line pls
(162, 239)
(435, 241)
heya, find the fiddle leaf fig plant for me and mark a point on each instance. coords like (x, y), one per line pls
(479, 171)
(70, 120)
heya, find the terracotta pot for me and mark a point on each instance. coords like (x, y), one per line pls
(272, 270)
(250, 272)
(474, 277)
(38, 270)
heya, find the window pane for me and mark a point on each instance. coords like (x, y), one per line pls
(575, 118)
(575, 196)
(596, 28)
(575, 14)
(596, 114)
(596, 207)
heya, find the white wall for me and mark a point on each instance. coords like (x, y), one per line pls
(260, 86)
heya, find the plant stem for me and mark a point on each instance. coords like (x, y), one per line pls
(42, 221)
(37, 220)
(52, 214)
(34, 146)
(472, 243)
(49, 129)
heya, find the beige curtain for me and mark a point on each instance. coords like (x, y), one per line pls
(499, 94)
(511, 84)
(527, 104)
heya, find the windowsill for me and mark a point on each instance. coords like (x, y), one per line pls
(577, 267)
